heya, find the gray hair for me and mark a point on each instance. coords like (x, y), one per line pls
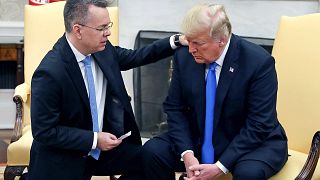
(207, 16)
(76, 11)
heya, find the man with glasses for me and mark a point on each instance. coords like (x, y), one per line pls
(79, 104)
(221, 106)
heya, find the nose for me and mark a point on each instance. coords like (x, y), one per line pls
(192, 49)
(107, 32)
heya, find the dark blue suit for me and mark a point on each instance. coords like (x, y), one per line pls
(246, 125)
(61, 119)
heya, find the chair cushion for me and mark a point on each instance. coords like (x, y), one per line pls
(25, 129)
(18, 152)
(293, 167)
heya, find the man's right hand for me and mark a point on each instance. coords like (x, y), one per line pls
(183, 40)
(190, 160)
(107, 141)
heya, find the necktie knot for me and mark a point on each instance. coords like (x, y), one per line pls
(87, 61)
(212, 66)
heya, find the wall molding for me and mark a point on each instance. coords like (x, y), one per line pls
(11, 32)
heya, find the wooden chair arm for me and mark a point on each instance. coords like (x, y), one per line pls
(21, 95)
(17, 130)
(312, 160)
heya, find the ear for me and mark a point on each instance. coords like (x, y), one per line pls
(76, 30)
(223, 41)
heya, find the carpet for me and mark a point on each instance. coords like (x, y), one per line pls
(2, 167)
(3, 151)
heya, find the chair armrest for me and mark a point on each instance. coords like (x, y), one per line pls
(22, 90)
(20, 96)
(312, 160)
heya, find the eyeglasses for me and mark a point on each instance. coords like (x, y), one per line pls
(102, 28)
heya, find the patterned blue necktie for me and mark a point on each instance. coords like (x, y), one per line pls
(93, 103)
(207, 147)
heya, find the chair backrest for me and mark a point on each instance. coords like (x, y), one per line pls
(297, 53)
(43, 26)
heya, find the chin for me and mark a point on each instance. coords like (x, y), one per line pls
(102, 48)
(200, 61)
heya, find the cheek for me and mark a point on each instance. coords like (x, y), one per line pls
(212, 53)
(207, 53)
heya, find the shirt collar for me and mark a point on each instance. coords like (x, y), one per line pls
(79, 56)
(220, 60)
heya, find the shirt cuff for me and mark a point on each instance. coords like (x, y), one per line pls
(223, 169)
(95, 140)
(185, 152)
(173, 46)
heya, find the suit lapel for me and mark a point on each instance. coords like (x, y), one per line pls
(199, 91)
(105, 60)
(74, 71)
(228, 71)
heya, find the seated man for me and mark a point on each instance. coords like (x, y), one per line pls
(79, 104)
(221, 107)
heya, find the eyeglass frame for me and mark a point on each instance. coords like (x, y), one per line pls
(104, 28)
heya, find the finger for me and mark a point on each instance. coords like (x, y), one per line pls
(114, 144)
(195, 168)
(113, 137)
(191, 178)
(112, 141)
(117, 144)
(196, 173)
(189, 173)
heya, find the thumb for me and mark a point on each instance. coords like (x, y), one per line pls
(196, 169)
(113, 137)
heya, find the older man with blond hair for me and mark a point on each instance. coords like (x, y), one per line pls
(221, 106)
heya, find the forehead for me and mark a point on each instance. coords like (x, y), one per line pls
(96, 13)
(201, 36)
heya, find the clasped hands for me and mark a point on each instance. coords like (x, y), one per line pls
(196, 171)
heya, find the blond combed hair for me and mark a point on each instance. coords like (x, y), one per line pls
(212, 17)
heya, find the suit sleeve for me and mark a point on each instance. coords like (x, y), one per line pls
(261, 117)
(177, 112)
(153, 52)
(46, 112)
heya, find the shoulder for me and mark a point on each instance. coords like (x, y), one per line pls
(250, 53)
(182, 53)
(52, 65)
(250, 49)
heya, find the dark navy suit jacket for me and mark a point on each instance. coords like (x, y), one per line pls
(246, 124)
(60, 111)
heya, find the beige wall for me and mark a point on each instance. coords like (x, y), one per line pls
(11, 10)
